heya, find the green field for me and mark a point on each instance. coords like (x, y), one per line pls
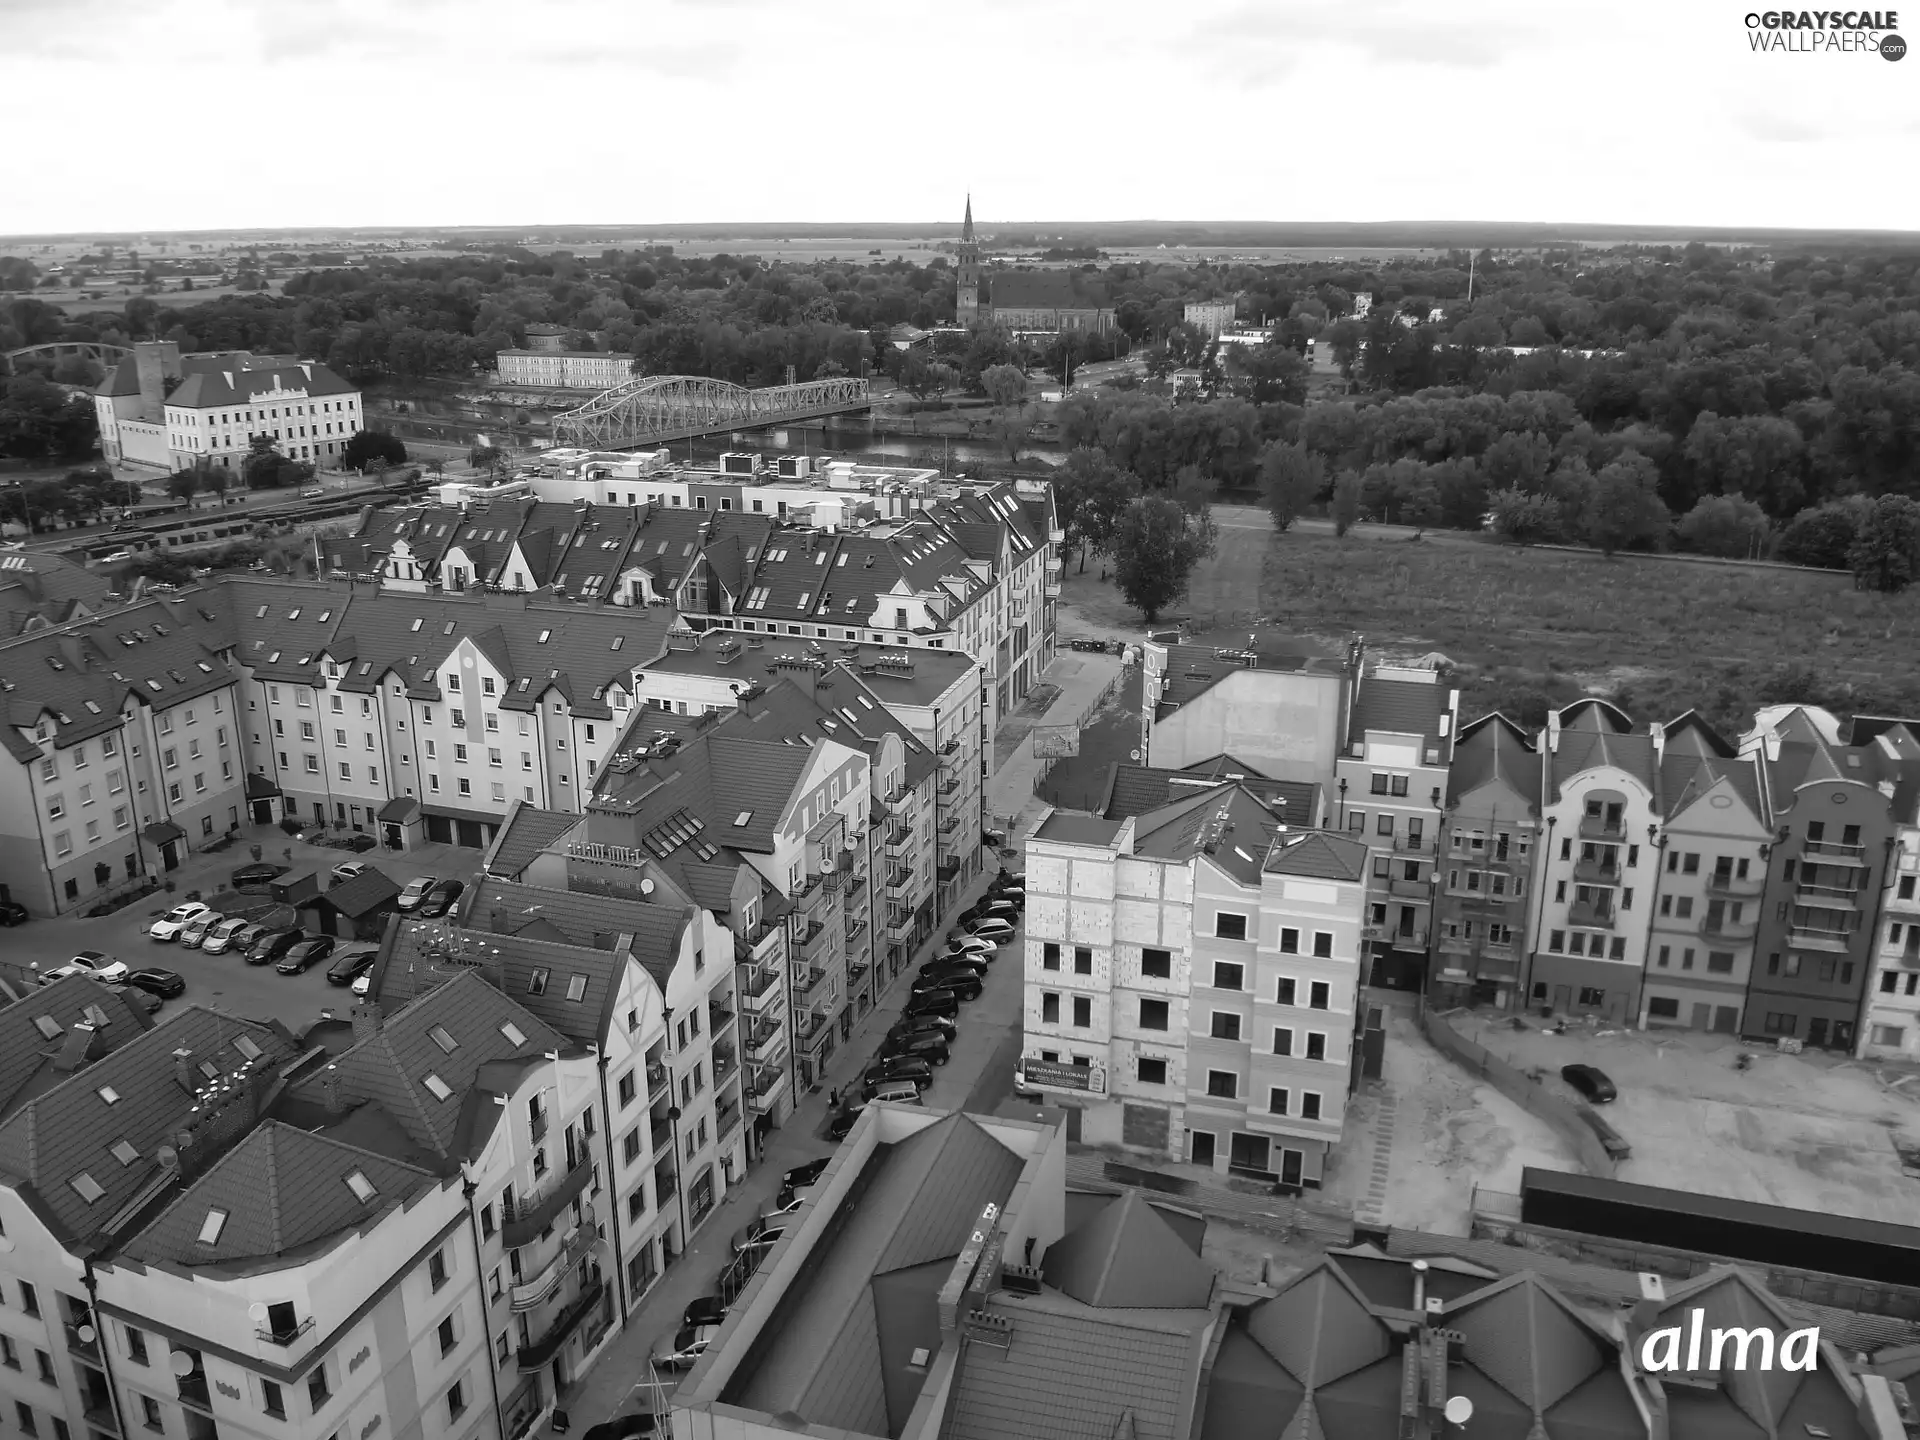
(1664, 636)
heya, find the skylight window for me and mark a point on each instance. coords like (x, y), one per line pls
(88, 1188)
(211, 1227)
(248, 1050)
(261, 613)
(437, 1087)
(322, 617)
(442, 1037)
(515, 1035)
(361, 1187)
(48, 1026)
(273, 659)
(743, 817)
(294, 614)
(576, 988)
(618, 641)
(209, 1069)
(124, 1152)
(545, 635)
(415, 627)
(108, 1094)
(95, 1016)
(448, 629)
(537, 982)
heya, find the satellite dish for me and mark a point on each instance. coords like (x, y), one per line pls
(646, 887)
(1459, 1410)
(85, 1334)
(1133, 754)
(257, 1311)
(181, 1363)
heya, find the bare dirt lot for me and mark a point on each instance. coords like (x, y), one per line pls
(1811, 1131)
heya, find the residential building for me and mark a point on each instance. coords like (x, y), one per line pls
(40, 590)
(1135, 789)
(1211, 317)
(1891, 1026)
(1597, 879)
(1486, 850)
(1192, 976)
(1712, 869)
(122, 749)
(1390, 784)
(169, 411)
(548, 339)
(1836, 834)
(564, 369)
(947, 1279)
(1281, 711)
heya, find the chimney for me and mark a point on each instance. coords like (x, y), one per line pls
(330, 1093)
(155, 362)
(1420, 1286)
(184, 1072)
(366, 1022)
(1553, 732)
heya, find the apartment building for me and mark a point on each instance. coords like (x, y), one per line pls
(1891, 1026)
(1486, 849)
(1191, 978)
(1712, 851)
(564, 369)
(1836, 837)
(168, 411)
(122, 749)
(1279, 711)
(1390, 791)
(1598, 876)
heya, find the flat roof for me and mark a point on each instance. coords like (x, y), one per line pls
(931, 674)
(1074, 829)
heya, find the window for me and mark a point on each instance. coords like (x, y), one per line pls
(1276, 1101)
(1289, 942)
(626, 1089)
(1662, 1007)
(1309, 1105)
(1157, 964)
(137, 1346)
(457, 1400)
(1323, 944)
(29, 1299)
(1316, 1045)
(1223, 1084)
(9, 1353)
(447, 1338)
(272, 1401)
(630, 1146)
(1319, 993)
(317, 1392)
(1282, 1041)
(1153, 1014)
(1082, 1011)
(1283, 990)
(437, 1268)
(1227, 976)
(1082, 960)
(1228, 926)
(1225, 1026)
(1049, 1009)
(24, 1414)
(1719, 962)
(1049, 956)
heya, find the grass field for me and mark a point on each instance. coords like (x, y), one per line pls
(1662, 636)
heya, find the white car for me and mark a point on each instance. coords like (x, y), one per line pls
(169, 925)
(416, 891)
(115, 556)
(220, 936)
(362, 986)
(196, 930)
(99, 966)
(998, 931)
(347, 870)
(969, 945)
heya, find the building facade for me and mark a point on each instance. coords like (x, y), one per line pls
(1486, 851)
(1211, 317)
(564, 369)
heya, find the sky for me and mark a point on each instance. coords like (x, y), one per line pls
(145, 115)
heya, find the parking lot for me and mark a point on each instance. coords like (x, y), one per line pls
(224, 981)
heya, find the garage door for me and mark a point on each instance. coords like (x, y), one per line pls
(439, 830)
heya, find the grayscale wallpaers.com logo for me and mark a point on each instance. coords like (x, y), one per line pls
(1826, 32)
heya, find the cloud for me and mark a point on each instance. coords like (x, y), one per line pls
(1774, 128)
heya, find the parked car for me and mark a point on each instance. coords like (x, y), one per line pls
(221, 936)
(169, 925)
(961, 987)
(99, 965)
(440, 899)
(305, 955)
(350, 965)
(989, 907)
(257, 876)
(898, 1067)
(414, 891)
(314, 493)
(757, 1235)
(1016, 894)
(360, 844)
(140, 999)
(933, 1002)
(897, 1092)
(844, 1117)
(348, 870)
(707, 1310)
(964, 945)
(624, 1427)
(12, 912)
(156, 981)
(805, 1174)
(1008, 879)
(781, 1206)
(1590, 1082)
(930, 1046)
(272, 944)
(925, 1025)
(993, 928)
(683, 1348)
(196, 930)
(966, 967)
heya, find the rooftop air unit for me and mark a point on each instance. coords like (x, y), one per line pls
(739, 463)
(794, 467)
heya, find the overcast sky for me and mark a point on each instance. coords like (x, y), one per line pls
(210, 114)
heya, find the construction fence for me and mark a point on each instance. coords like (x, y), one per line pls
(1049, 742)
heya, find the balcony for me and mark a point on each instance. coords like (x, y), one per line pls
(726, 1119)
(1411, 889)
(725, 1062)
(537, 1124)
(1728, 884)
(808, 884)
(899, 848)
(761, 991)
(523, 1407)
(1412, 845)
(1590, 917)
(896, 802)
(532, 1357)
(1597, 827)
(1831, 941)
(531, 1294)
(1482, 898)
(192, 1389)
(812, 940)
(1827, 897)
(87, 1348)
(899, 878)
(949, 867)
(284, 1338)
(718, 1017)
(1052, 588)
(950, 751)
(656, 1078)
(808, 985)
(1725, 929)
(1496, 967)
(523, 1220)
(97, 1408)
(1832, 850)
(899, 924)
(660, 1132)
(763, 1093)
(1597, 872)
(764, 1045)
(948, 787)
(856, 927)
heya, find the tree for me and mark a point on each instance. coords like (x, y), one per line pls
(1156, 546)
(1006, 385)
(1267, 374)
(184, 484)
(1346, 502)
(1523, 518)
(1416, 498)
(1885, 555)
(1823, 536)
(372, 445)
(1090, 493)
(1626, 508)
(1292, 477)
(1727, 525)
(265, 468)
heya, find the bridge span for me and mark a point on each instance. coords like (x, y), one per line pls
(659, 409)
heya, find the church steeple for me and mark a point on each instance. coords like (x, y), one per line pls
(966, 288)
(966, 226)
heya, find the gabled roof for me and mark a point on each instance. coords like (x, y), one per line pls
(1127, 1256)
(1531, 1342)
(276, 1192)
(1404, 707)
(1226, 823)
(583, 920)
(363, 894)
(716, 778)
(36, 1031)
(1046, 290)
(1137, 789)
(1592, 738)
(208, 388)
(1494, 749)
(571, 987)
(38, 588)
(527, 833)
(1317, 854)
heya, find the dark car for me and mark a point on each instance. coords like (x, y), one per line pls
(964, 987)
(272, 945)
(440, 899)
(12, 912)
(933, 1002)
(305, 955)
(707, 1310)
(989, 908)
(898, 1067)
(844, 1117)
(805, 1174)
(930, 1046)
(256, 877)
(359, 845)
(144, 1000)
(925, 1024)
(624, 1427)
(155, 981)
(975, 966)
(350, 965)
(1590, 1082)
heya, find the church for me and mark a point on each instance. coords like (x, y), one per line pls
(1047, 301)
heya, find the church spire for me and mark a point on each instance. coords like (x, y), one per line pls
(966, 226)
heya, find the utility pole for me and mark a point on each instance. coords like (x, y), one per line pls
(1471, 257)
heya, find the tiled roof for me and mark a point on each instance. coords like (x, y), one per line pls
(203, 388)
(37, 1033)
(1592, 742)
(1225, 823)
(717, 778)
(1136, 789)
(1316, 854)
(278, 1190)
(725, 654)
(363, 894)
(391, 1068)
(835, 705)
(1493, 748)
(1045, 290)
(571, 987)
(578, 918)
(1403, 707)
(1531, 1342)
(836, 1347)
(1127, 1256)
(70, 1131)
(527, 833)
(38, 588)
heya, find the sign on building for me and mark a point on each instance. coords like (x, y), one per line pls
(1050, 1075)
(1056, 741)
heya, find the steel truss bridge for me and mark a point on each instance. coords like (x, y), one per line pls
(656, 409)
(107, 356)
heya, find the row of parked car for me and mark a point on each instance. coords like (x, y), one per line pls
(288, 948)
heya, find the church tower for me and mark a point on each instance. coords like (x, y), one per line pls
(966, 293)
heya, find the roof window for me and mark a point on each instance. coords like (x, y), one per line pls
(361, 1186)
(88, 1188)
(437, 1087)
(211, 1227)
(443, 1037)
(516, 1037)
